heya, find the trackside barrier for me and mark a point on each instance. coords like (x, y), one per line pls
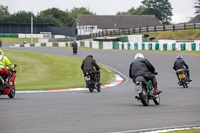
(171, 46)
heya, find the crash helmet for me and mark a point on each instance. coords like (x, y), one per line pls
(139, 55)
(179, 57)
(89, 55)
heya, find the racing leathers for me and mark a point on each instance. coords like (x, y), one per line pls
(5, 62)
(142, 67)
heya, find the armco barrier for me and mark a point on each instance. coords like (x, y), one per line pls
(181, 46)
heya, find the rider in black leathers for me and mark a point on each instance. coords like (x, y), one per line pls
(88, 64)
(180, 64)
(75, 47)
(142, 67)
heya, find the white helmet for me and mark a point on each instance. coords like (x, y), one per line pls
(139, 55)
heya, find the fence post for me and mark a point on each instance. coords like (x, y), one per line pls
(140, 30)
(147, 29)
(173, 27)
(154, 28)
(194, 25)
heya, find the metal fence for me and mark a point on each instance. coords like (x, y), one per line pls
(176, 27)
(67, 39)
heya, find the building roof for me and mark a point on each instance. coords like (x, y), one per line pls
(195, 19)
(118, 22)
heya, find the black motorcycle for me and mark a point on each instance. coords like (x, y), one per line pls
(91, 79)
(146, 91)
(75, 51)
(182, 75)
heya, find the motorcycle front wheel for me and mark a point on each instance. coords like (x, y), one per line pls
(12, 93)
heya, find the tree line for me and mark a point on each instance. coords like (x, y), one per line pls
(53, 16)
(162, 10)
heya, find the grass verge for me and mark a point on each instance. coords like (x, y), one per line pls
(40, 71)
(17, 40)
(185, 131)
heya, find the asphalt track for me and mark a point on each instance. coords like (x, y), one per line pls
(114, 109)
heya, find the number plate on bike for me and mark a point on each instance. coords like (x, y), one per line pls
(138, 88)
(181, 76)
(87, 78)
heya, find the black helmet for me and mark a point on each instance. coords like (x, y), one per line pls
(89, 55)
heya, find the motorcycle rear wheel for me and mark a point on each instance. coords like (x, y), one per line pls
(99, 88)
(91, 89)
(184, 83)
(157, 100)
(144, 97)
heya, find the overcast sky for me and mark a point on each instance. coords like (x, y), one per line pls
(183, 10)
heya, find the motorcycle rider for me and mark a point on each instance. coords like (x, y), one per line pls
(179, 63)
(5, 62)
(88, 64)
(75, 46)
(142, 67)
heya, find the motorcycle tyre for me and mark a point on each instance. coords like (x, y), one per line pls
(12, 93)
(184, 83)
(99, 88)
(91, 89)
(157, 100)
(144, 97)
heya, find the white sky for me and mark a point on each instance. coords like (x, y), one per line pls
(183, 10)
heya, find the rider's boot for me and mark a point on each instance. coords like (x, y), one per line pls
(156, 91)
(189, 80)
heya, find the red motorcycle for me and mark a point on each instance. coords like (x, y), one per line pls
(11, 90)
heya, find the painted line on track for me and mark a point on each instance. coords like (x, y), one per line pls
(118, 80)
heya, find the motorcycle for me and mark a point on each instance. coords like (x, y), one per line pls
(182, 75)
(11, 90)
(91, 80)
(75, 51)
(145, 91)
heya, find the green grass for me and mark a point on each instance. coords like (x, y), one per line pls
(186, 131)
(192, 34)
(40, 71)
(17, 40)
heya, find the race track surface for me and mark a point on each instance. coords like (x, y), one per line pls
(114, 109)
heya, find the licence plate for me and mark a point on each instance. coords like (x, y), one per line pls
(181, 76)
(87, 78)
(138, 88)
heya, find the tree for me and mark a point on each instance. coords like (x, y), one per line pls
(76, 11)
(162, 9)
(64, 18)
(20, 17)
(133, 11)
(4, 13)
(197, 6)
